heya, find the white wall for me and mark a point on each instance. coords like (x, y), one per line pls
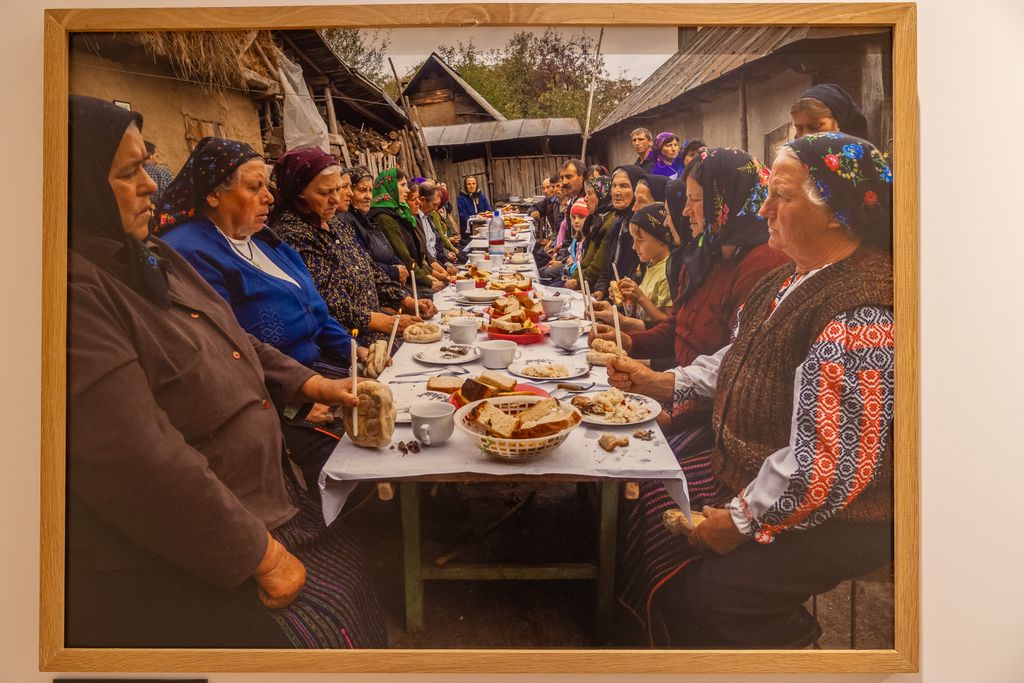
(971, 363)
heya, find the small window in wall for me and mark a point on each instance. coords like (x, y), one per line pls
(197, 129)
(774, 139)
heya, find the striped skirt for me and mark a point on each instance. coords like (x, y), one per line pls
(649, 555)
(338, 606)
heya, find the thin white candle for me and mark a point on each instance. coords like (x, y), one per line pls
(394, 331)
(615, 269)
(618, 332)
(355, 381)
(588, 302)
(415, 298)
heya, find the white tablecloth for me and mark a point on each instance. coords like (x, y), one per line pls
(580, 455)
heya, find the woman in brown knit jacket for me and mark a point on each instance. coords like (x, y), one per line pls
(803, 410)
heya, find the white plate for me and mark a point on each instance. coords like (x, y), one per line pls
(653, 407)
(516, 267)
(478, 296)
(575, 366)
(437, 355)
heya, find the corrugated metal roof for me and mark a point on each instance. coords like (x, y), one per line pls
(713, 53)
(477, 97)
(492, 131)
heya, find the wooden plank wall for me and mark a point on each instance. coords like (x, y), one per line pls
(518, 176)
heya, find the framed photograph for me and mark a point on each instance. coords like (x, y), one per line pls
(538, 570)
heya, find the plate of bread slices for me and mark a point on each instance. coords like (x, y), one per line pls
(517, 428)
(463, 390)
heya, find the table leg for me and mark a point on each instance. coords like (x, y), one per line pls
(606, 556)
(410, 495)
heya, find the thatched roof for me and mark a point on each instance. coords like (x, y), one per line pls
(215, 58)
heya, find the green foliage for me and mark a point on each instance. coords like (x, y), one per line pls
(540, 76)
(363, 51)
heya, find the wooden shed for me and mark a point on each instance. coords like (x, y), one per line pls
(733, 87)
(442, 98)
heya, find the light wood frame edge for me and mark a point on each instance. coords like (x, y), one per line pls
(904, 658)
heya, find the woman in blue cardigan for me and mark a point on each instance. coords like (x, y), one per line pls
(214, 215)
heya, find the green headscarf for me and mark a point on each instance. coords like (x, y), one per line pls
(385, 195)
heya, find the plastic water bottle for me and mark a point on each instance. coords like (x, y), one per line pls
(496, 239)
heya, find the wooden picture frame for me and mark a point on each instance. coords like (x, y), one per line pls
(905, 655)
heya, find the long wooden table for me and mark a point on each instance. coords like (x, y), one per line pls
(579, 459)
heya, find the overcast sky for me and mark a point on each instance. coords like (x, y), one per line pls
(635, 51)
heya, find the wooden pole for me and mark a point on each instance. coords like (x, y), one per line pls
(423, 142)
(332, 116)
(744, 132)
(590, 100)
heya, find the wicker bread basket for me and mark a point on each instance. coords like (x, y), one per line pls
(512, 450)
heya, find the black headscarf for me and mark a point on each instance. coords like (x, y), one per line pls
(209, 164)
(635, 173)
(844, 110)
(735, 186)
(656, 184)
(855, 181)
(96, 130)
(651, 219)
(675, 202)
(622, 253)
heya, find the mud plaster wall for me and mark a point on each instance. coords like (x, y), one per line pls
(164, 102)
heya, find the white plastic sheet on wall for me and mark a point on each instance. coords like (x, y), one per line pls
(303, 125)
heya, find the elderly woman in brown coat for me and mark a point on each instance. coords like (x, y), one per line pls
(187, 526)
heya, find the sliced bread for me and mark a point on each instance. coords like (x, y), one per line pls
(498, 381)
(540, 409)
(445, 384)
(551, 423)
(493, 420)
(474, 390)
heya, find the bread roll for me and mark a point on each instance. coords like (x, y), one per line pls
(376, 360)
(616, 293)
(422, 333)
(677, 524)
(376, 415)
(598, 358)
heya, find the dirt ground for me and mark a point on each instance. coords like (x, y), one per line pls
(553, 526)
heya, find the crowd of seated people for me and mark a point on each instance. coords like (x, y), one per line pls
(755, 305)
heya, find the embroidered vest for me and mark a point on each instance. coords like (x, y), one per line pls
(754, 401)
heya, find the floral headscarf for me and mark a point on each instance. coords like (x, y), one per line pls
(735, 186)
(212, 160)
(651, 219)
(602, 187)
(853, 178)
(294, 170)
(385, 195)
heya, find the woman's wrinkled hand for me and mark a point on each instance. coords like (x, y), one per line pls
(717, 533)
(427, 309)
(320, 414)
(403, 274)
(405, 320)
(280, 576)
(630, 375)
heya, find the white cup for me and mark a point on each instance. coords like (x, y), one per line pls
(463, 330)
(432, 422)
(498, 354)
(564, 333)
(478, 258)
(465, 285)
(554, 306)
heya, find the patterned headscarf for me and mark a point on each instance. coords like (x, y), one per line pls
(602, 187)
(96, 128)
(294, 170)
(385, 195)
(212, 160)
(854, 179)
(651, 219)
(735, 185)
(660, 167)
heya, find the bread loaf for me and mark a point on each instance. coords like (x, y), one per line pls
(376, 359)
(376, 415)
(422, 333)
